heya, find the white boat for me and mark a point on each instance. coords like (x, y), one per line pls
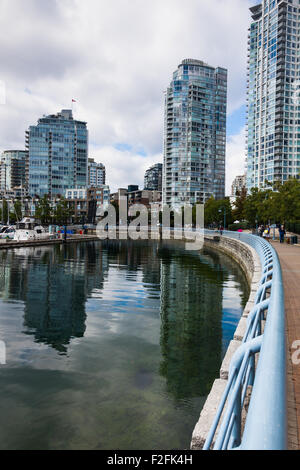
(3, 228)
(28, 229)
(8, 233)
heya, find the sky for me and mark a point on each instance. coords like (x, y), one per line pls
(116, 59)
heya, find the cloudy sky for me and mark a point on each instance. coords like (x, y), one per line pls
(116, 58)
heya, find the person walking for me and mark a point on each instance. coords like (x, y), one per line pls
(266, 234)
(281, 233)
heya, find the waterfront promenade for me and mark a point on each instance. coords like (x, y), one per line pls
(289, 256)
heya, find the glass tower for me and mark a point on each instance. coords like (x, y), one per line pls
(153, 178)
(57, 154)
(195, 134)
(13, 169)
(96, 173)
(273, 128)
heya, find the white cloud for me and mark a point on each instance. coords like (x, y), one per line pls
(125, 167)
(116, 58)
(236, 158)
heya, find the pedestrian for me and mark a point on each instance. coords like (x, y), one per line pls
(281, 233)
(266, 234)
(221, 230)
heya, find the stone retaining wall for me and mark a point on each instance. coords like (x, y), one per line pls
(249, 261)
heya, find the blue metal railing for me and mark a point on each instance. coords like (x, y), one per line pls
(265, 427)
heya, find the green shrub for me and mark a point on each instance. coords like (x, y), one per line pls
(241, 225)
(293, 227)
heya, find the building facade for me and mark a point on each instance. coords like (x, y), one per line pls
(75, 193)
(132, 188)
(100, 194)
(57, 154)
(238, 184)
(141, 196)
(153, 178)
(273, 127)
(195, 134)
(96, 173)
(13, 169)
(144, 197)
(84, 203)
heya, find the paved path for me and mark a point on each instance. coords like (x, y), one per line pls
(289, 256)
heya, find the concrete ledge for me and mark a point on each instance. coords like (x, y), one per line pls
(248, 308)
(232, 348)
(207, 415)
(241, 329)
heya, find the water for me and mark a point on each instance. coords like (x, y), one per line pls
(112, 345)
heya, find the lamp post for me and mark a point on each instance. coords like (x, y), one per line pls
(220, 211)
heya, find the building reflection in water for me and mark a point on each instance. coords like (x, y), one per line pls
(191, 316)
(55, 283)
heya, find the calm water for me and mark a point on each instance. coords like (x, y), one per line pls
(112, 345)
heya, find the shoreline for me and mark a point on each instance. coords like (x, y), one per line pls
(248, 260)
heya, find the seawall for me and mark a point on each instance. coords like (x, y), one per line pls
(249, 261)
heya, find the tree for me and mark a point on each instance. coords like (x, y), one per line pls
(277, 205)
(62, 212)
(15, 214)
(4, 211)
(238, 212)
(289, 200)
(43, 210)
(215, 210)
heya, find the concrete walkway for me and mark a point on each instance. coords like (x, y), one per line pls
(289, 256)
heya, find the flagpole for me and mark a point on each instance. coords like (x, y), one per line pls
(73, 101)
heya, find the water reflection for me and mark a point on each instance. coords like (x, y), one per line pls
(132, 333)
(54, 285)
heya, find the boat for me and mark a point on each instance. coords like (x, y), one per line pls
(8, 232)
(3, 228)
(29, 229)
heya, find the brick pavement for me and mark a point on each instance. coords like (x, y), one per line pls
(289, 256)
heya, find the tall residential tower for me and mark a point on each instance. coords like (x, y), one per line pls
(96, 173)
(57, 154)
(195, 134)
(153, 178)
(13, 172)
(273, 135)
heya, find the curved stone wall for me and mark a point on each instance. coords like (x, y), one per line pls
(249, 261)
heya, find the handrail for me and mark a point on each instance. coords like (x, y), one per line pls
(265, 426)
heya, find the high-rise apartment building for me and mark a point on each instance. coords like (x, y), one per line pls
(57, 154)
(273, 140)
(239, 183)
(96, 173)
(195, 134)
(13, 169)
(153, 178)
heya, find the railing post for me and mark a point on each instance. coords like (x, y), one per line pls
(237, 426)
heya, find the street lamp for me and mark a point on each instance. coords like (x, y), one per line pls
(220, 211)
